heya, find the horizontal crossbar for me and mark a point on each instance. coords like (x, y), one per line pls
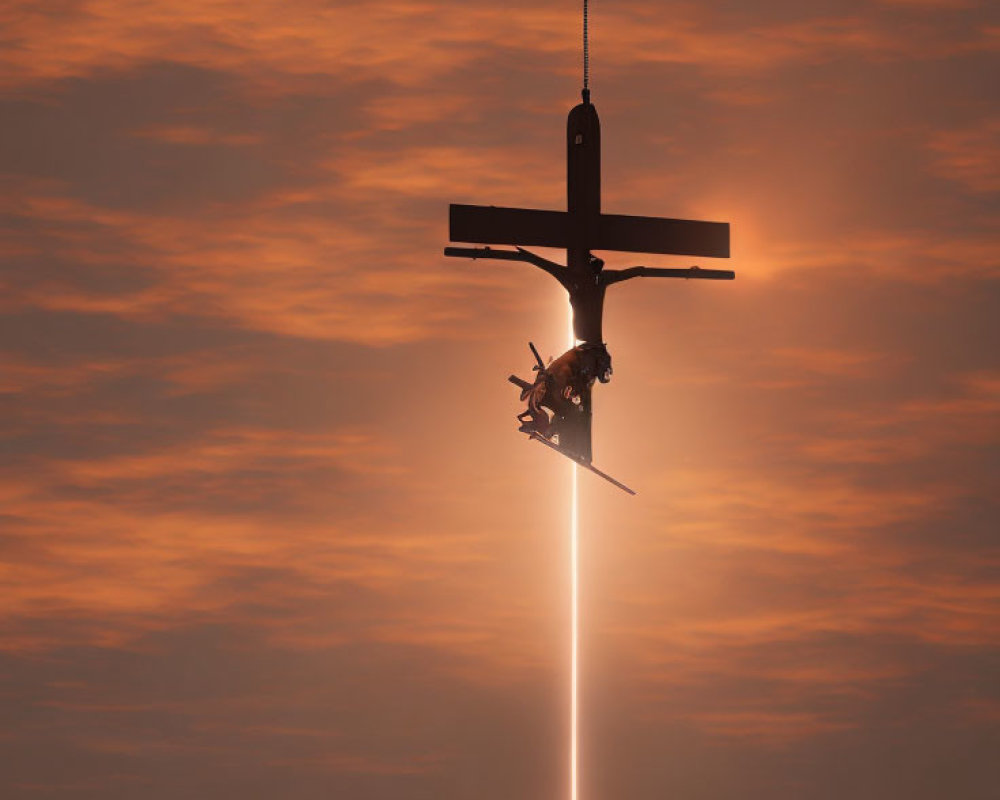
(525, 226)
(496, 225)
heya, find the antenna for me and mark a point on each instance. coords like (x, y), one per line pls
(586, 54)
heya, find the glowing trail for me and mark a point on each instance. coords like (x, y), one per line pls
(574, 564)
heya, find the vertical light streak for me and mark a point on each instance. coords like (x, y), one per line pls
(574, 568)
(575, 625)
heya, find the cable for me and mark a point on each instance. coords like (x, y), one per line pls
(586, 53)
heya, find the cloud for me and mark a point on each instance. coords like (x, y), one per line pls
(969, 156)
(265, 529)
(412, 43)
(311, 276)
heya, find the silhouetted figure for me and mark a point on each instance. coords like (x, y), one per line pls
(586, 287)
(582, 228)
(563, 386)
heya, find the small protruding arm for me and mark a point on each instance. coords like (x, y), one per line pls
(610, 276)
(520, 382)
(519, 254)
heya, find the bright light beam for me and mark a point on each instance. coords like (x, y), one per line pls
(574, 569)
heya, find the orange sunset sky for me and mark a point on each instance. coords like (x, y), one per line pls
(266, 526)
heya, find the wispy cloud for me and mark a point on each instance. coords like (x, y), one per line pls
(264, 529)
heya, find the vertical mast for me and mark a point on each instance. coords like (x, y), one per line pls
(583, 206)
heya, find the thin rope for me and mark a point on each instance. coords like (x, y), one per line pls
(586, 50)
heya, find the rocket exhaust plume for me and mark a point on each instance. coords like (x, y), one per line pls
(574, 558)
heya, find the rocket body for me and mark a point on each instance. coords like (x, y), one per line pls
(583, 161)
(583, 176)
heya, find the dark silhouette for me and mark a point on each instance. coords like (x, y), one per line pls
(561, 386)
(586, 288)
(581, 229)
(564, 387)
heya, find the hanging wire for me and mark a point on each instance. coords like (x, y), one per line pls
(586, 53)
